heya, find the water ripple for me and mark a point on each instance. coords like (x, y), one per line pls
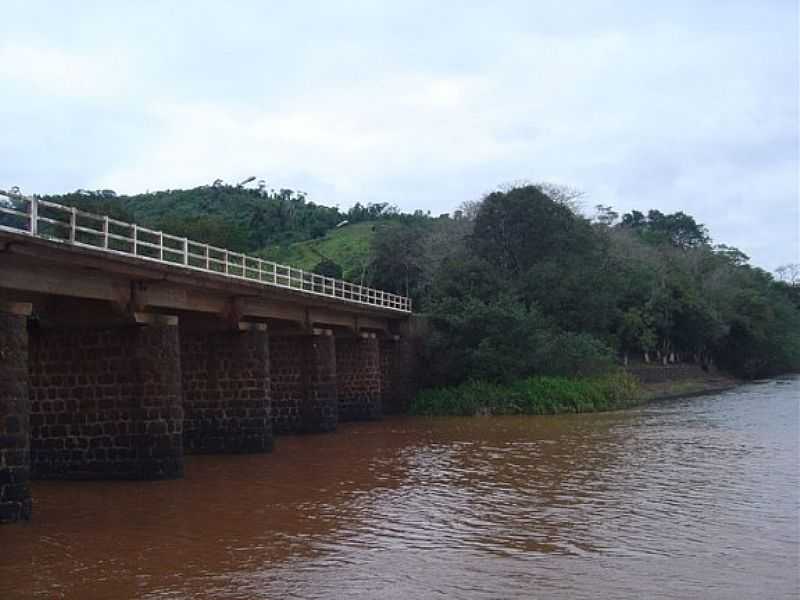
(685, 499)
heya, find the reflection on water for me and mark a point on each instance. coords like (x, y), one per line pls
(685, 499)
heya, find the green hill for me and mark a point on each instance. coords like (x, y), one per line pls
(279, 225)
(349, 247)
(244, 220)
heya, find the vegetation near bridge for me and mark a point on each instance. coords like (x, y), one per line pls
(541, 395)
(518, 284)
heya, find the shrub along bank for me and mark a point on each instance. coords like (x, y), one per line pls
(540, 395)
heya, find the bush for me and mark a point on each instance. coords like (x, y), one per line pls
(328, 268)
(574, 355)
(495, 340)
(531, 396)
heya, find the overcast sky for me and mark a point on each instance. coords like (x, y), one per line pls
(688, 106)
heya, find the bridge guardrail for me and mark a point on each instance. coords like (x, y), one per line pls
(67, 224)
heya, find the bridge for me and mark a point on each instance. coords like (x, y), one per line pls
(123, 348)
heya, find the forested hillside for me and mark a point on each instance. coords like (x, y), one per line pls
(517, 284)
(234, 217)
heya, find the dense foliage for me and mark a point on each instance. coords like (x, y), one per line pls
(522, 284)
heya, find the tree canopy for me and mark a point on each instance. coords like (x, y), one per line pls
(533, 287)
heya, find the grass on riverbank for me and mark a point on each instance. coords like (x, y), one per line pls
(531, 396)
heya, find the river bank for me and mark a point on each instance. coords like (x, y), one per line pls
(668, 390)
(544, 395)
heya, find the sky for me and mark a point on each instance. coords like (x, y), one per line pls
(679, 106)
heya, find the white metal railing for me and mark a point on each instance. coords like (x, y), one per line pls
(67, 224)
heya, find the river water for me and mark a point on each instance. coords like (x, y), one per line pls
(691, 498)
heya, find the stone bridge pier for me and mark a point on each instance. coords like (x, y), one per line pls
(359, 378)
(226, 390)
(106, 403)
(15, 404)
(304, 390)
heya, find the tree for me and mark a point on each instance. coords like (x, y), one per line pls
(397, 258)
(516, 229)
(564, 195)
(733, 255)
(496, 338)
(605, 215)
(328, 268)
(789, 273)
(678, 229)
(636, 333)
(213, 230)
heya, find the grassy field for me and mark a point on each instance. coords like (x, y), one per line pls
(348, 246)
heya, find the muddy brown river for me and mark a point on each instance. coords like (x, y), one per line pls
(692, 498)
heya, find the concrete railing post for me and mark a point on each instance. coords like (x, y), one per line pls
(34, 208)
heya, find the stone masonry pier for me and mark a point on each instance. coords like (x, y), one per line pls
(226, 390)
(358, 377)
(106, 403)
(15, 409)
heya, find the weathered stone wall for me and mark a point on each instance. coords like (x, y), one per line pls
(303, 383)
(106, 404)
(399, 373)
(358, 378)
(226, 386)
(287, 381)
(15, 497)
(319, 411)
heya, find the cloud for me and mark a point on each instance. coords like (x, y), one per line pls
(57, 73)
(686, 107)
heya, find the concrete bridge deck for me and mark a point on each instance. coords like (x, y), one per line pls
(113, 364)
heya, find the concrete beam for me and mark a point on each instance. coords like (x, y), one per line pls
(141, 318)
(20, 275)
(20, 309)
(158, 294)
(321, 316)
(251, 326)
(270, 309)
(366, 322)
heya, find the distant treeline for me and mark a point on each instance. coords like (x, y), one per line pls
(520, 283)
